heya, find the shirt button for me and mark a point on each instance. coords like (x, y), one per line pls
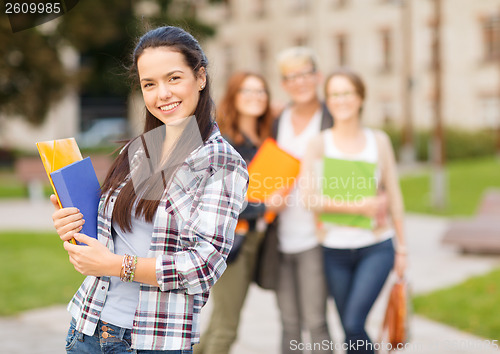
(103, 288)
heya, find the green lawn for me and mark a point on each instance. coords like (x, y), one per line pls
(467, 179)
(471, 306)
(35, 272)
(11, 187)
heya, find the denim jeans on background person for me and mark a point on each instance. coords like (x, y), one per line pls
(355, 278)
(117, 341)
(302, 295)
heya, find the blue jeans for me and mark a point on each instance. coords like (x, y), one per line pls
(355, 278)
(107, 338)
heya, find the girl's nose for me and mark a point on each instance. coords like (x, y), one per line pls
(164, 92)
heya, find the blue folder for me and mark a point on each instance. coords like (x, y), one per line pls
(77, 186)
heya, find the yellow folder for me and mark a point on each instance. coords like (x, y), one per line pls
(56, 154)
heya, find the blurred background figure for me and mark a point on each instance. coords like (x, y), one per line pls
(301, 291)
(357, 260)
(245, 119)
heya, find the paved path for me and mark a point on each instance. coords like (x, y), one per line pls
(432, 266)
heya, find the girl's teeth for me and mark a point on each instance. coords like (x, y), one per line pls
(169, 107)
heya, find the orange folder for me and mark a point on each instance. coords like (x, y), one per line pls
(270, 170)
(56, 154)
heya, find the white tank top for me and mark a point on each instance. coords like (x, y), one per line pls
(338, 236)
(296, 228)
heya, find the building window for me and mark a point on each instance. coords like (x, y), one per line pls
(260, 8)
(387, 112)
(339, 4)
(300, 41)
(489, 112)
(431, 32)
(341, 49)
(386, 50)
(491, 38)
(263, 57)
(228, 6)
(299, 6)
(228, 61)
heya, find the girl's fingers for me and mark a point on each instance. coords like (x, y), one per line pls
(66, 212)
(53, 199)
(70, 234)
(71, 228)
(66, 227)
(61, 221)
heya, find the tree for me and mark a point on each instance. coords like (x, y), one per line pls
(32, 77)
(31, 73)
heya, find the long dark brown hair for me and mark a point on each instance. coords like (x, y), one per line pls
(227, 114)
(147, 195)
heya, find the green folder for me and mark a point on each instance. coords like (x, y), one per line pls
(348, 181)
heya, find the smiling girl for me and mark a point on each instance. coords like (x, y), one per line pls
(167, 213)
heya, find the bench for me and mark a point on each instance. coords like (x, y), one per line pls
(480, 234)
(30, 171)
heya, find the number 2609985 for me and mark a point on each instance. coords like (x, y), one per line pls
(32, 7)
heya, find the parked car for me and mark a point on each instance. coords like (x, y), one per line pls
(103, 132)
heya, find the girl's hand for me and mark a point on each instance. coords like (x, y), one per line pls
(276, 202)
(375, 207)
(67, 221)
(381, 215)
(400, 264)
(94, 259)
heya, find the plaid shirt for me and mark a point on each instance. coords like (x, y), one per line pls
(193, 233)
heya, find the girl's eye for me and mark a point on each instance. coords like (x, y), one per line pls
(174, 78)
(147, 85)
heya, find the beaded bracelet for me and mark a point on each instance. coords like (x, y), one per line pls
(127, 272)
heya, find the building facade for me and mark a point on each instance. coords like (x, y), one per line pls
(389, 42)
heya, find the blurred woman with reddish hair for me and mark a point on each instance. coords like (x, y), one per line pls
(245, 119)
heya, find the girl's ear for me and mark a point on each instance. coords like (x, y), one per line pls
(202, 78)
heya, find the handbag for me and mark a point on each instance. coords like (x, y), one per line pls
(239, 239)
(268, 259)
(396, 315)
(240, 232)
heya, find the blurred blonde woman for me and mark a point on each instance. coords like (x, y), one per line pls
(301, 291)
